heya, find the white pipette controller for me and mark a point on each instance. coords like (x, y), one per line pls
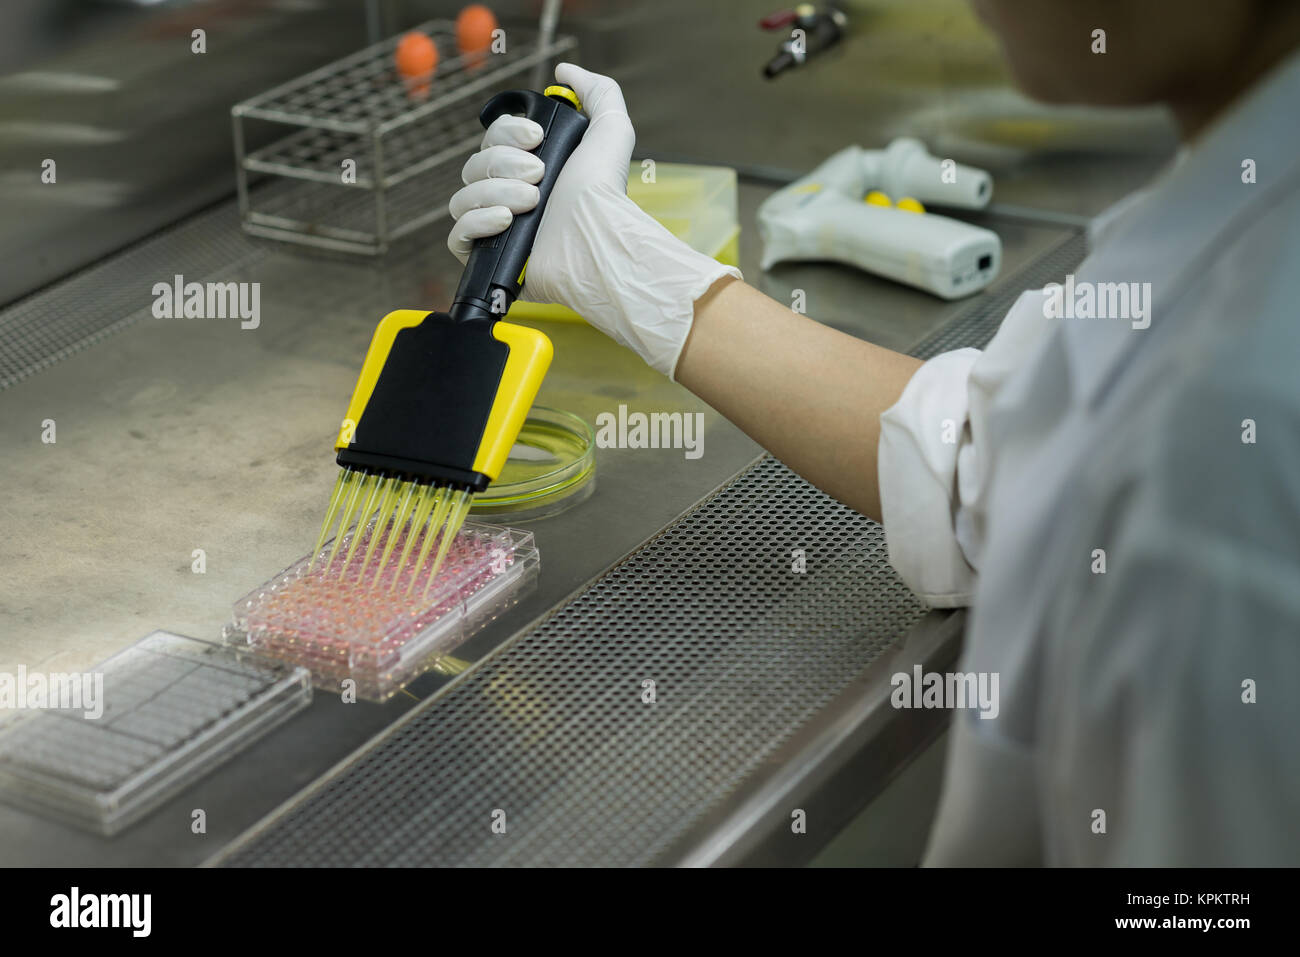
(864, 208)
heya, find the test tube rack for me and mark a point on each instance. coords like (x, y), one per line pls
(364, 159)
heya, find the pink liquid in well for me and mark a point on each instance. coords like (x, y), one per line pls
(337, 620)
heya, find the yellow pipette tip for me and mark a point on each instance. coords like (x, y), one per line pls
(345, 476)
(456, 518)
(418, 518)
(398, 523)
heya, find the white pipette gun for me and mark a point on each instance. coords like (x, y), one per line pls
(865, 208)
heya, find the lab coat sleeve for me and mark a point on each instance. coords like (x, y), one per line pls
(934, 455)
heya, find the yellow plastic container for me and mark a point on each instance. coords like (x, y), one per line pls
(697, 204)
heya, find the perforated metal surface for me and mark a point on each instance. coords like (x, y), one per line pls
(554, 731)
(57, 322)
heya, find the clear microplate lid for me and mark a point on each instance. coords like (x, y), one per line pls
(173, 708)
(346, 619)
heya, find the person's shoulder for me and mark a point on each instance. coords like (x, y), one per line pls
(1248, 285)
(1225, 452)
(1235, 398)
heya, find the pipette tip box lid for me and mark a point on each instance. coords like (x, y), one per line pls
(142, 725)
(342, 623)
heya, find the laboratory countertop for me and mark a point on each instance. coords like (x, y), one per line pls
(180, 435)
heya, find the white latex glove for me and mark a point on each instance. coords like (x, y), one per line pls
(596, 251)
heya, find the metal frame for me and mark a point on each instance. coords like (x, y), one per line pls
(354, 108)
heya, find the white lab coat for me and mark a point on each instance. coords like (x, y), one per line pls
(1127, 691)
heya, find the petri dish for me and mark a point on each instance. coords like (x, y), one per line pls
(552, 467)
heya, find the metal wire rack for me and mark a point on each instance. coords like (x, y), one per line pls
(371, 157)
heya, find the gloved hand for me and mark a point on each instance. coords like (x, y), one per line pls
(596, 251)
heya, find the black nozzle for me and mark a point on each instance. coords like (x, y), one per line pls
(818, 32)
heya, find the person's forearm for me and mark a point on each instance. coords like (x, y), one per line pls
(810, 395)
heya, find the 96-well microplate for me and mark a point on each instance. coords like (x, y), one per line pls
(383, 625)
(173, 709)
